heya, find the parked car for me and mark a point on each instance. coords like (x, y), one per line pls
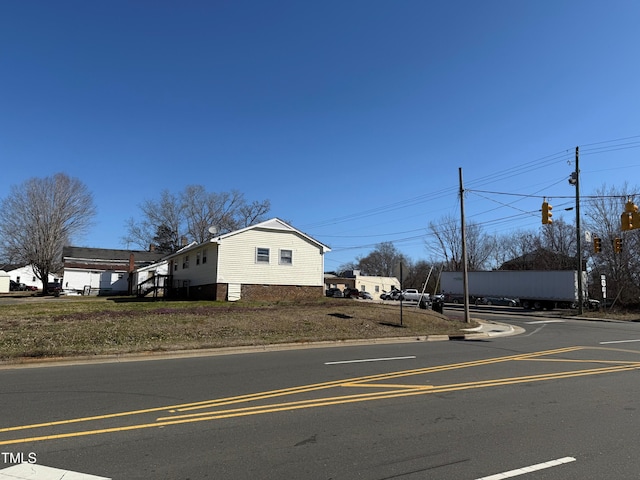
(334, 292)
(31, 288)
(503, 301)
(394, 294)
(351, 293)
(54, 288)
(453, 298)
(14, 286)
(413, 295)
(366, 296)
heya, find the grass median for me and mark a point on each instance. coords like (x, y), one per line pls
(41, 327)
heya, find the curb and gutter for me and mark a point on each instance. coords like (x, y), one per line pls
(484, 331)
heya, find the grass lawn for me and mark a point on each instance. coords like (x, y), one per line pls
(70, 326)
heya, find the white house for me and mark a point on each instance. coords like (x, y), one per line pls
(101, 271)
(4, 282)
(374, 285)
(152, 279)
(269, 260)
(25, 274)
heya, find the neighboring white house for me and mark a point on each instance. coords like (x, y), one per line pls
(101, 271)
(152, 279)
(25, 274)
(372, 284)
(269, 260)
(375, 285)
(4, 282)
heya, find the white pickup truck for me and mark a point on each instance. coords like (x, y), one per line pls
(413, 295)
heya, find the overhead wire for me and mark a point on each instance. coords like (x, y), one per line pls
(565, 156)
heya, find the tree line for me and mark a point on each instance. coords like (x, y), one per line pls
(42, 215)
(549, 247)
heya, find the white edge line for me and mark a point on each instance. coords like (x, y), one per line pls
(544, 321)
(620, 341)
(532, 468)
(370, 360)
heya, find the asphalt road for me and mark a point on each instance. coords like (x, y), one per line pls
(559, 401)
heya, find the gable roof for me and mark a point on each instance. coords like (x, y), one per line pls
(274, 224)
(83, 253)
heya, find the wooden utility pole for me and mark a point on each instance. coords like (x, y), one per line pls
(578, 237)
(465, 279)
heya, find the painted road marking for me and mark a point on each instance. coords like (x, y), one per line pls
(386, 359)
(34, 471)
(532, 468)
(365, 388)
(619, 341)
(536, 322)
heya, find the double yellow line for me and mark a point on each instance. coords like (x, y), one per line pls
(219, 408)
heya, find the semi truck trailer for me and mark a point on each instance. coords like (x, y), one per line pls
(535, 289)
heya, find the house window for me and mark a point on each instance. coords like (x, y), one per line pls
(377, 288)
(204, 256)
(262, 255)
(286, 257)
(185, 261)
(198, 255)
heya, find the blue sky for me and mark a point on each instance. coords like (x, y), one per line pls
(351, 117)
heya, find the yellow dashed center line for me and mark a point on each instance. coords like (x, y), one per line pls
(216, 409)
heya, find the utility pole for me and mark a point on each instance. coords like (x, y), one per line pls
(465, 278)
(578, 236)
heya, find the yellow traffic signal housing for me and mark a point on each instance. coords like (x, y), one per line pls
(630, 207)
(617, 245)
(630, 219)
(546, 213)
(597, 245)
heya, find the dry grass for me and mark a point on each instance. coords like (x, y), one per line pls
(627, 315)
(70, 326)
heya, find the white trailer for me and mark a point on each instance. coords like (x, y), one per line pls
(535, 289)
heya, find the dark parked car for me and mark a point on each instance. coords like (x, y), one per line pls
(54, 288)
(351, 293)
(503, 301)
(334, 292)
(16, 287)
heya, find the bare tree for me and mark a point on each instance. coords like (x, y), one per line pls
(622, 269)
(191, 213)
(381, 261)
(42, 215)
(448, 235)
(166, 213)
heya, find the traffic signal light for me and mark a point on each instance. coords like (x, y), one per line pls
(546, 213)
(630, 219)
(617, 245)
(597, 245)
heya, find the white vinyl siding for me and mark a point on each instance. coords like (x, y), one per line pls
(237, 263)
(205, 273)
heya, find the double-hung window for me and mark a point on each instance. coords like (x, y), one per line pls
(286, 257)
(262, 255)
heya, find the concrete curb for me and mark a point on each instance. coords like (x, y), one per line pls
(484, 331)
